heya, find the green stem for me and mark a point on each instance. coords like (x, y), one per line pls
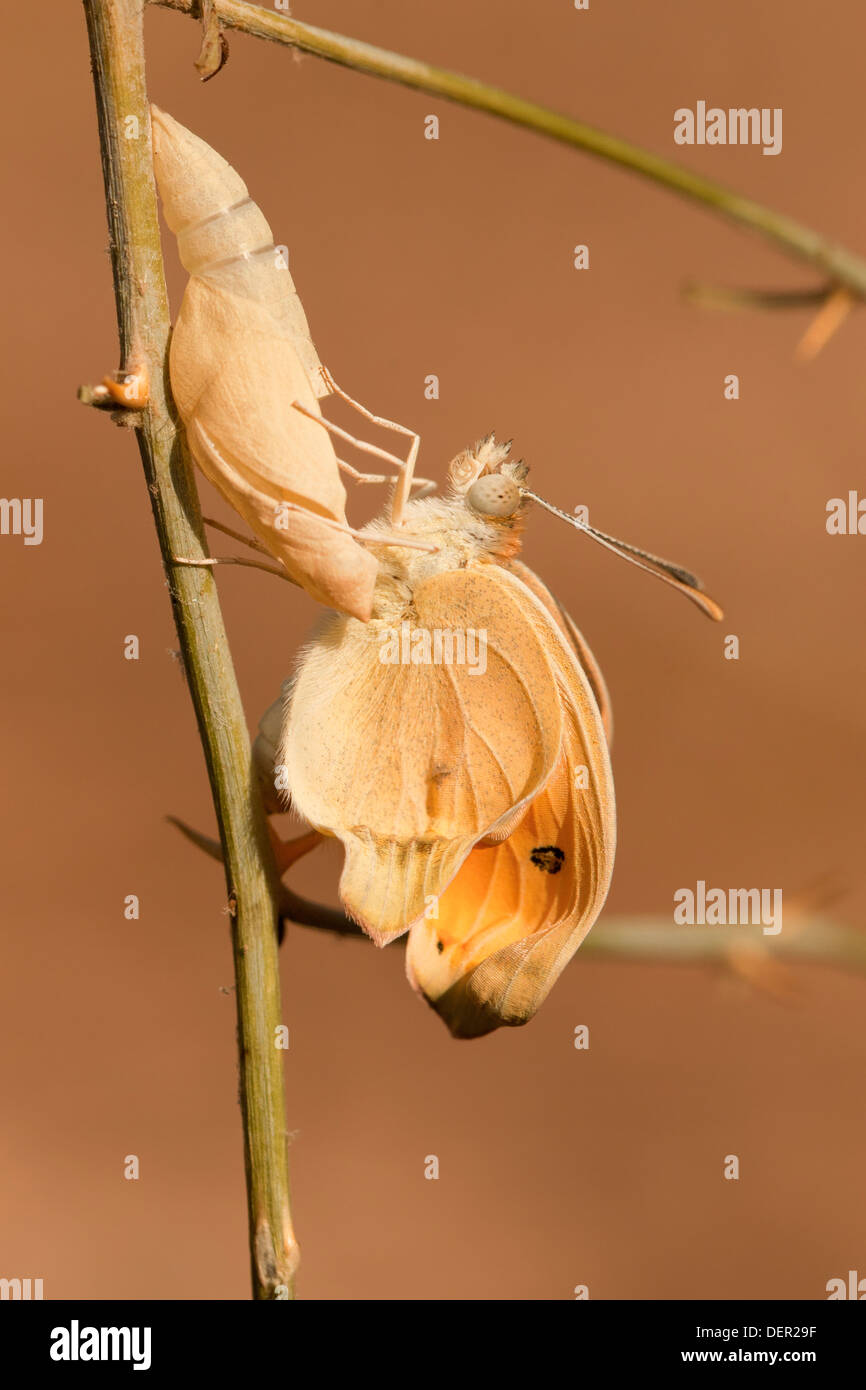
(836, 262)
(117, 52)
(724, 297)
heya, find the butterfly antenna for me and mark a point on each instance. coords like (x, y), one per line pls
(675, 575)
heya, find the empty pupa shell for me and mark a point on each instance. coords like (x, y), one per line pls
(241, 354)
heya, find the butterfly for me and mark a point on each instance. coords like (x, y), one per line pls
(448, 722)
(457, 744)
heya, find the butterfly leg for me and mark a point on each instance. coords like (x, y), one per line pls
(362, 409)
(404, 484)
(349, 438)
(213, 453)
(236, 535)
(406, 466)
(424, 485)
(407, 480)
(393, 538)
(209, 561)
(358, 477)
(383, 537)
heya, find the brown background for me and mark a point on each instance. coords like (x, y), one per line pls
(557, 1167)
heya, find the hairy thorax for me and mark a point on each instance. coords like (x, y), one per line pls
(462, 537)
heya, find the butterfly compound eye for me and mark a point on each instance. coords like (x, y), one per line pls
(493, 495)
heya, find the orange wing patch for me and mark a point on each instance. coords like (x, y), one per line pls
(517, 911)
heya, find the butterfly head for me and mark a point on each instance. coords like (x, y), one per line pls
(488, 481)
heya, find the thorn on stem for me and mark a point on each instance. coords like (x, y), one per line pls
(129, 390)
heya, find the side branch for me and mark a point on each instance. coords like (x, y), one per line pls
(812, 939)
(117, 53)
(835, 262)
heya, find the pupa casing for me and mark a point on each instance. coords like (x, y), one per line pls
(241, 354)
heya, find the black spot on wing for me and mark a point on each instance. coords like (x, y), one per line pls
(548, 858)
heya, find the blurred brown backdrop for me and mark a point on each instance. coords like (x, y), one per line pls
(452, 257)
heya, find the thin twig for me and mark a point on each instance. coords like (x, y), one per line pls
(836, 262)
(722, 297)
(808, 938)
(646, 940)
(116, 46)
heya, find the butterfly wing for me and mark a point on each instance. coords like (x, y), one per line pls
(264, 752)
(410, 763)
(501, 934)
(567, 625)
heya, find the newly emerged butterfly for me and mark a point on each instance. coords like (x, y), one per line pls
(457, 745)
(448, 722)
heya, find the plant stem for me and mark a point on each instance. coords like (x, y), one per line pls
(810, 939)
(117, 53)
(647, 940)
(725, 297)
(836, 262)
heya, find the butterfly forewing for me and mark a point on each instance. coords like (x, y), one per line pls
(569, 628)
(411, 764)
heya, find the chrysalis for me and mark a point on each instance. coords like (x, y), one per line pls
(241, 357)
